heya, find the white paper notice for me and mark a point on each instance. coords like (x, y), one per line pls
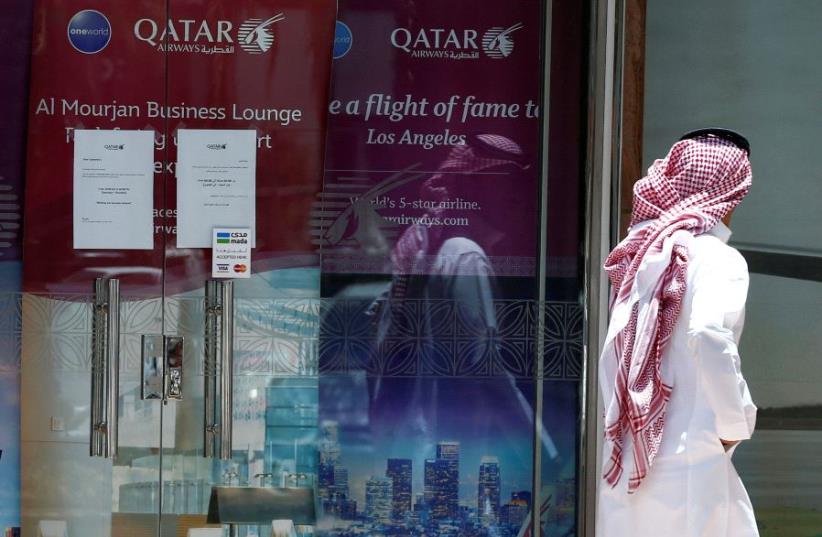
(113, 189)
(216, 177)
(231, 253)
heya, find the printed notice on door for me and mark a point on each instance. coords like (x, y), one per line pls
(216, 172)
(113, 189)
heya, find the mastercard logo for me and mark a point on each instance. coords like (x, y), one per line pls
(239, 267)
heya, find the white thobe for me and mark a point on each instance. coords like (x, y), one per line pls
(692, 488)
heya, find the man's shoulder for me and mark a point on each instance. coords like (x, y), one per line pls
(711, 253)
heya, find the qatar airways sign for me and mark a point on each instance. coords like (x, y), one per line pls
(255, 36)
(496, 42)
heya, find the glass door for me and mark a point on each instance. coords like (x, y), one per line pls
(776, 228)
(93, 275)
(423, 309)
(247, 416)
(139, 394)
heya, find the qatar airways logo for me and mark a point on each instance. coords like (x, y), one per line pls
(498, 42)
(254, 36)
(451, 44)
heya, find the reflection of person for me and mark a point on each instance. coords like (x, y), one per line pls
(421, 249)
(451, 263)
(675, 399)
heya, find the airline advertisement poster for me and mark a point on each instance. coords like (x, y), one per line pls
(434, 134)
(427, 227)
(249, 65)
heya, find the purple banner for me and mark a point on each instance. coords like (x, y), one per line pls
(426, 387)
(433, 136)
(15, 29)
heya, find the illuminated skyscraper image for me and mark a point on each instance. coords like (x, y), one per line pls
(378, 498)
(449, 482)
(329, 443)
(488, 490)
(341, 480)
(449, 451)
(438, 474)
(441, 481)
(414, 483)
(325, 477)
(399, 471)
(430, 493)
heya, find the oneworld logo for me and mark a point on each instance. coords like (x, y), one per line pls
(216, 146)
(89, 31)
(115, 147)
(343, 40)
(254, 36)
(452, 44)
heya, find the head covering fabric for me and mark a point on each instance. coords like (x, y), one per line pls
(684, 195)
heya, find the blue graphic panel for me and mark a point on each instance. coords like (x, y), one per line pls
(9, 447)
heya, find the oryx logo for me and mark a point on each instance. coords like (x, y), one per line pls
(89, 31)
(254, 35)
(498, 43)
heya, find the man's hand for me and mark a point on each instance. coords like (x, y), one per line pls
(728, 444)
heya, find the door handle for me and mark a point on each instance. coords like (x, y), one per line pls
(162, 368)
(173, 372)
(219, 368)
(105, 368)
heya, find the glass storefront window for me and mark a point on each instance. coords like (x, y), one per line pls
(408, 346)
(750, 66)
(430, 192)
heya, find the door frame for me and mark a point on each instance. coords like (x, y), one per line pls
(610, 20)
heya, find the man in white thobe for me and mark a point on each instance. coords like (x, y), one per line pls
(675, 398)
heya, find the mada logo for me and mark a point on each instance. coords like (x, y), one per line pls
(254, 36)
(452, 44)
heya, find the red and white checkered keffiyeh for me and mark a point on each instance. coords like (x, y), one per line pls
(685, 194)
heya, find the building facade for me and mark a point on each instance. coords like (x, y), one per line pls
(417, 200)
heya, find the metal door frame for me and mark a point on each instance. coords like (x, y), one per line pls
(602, 172)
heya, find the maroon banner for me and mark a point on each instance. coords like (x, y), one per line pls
(164, 66)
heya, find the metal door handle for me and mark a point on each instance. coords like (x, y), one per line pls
(219, 368)
(105, 368)
(162, 368)
(173, 372)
